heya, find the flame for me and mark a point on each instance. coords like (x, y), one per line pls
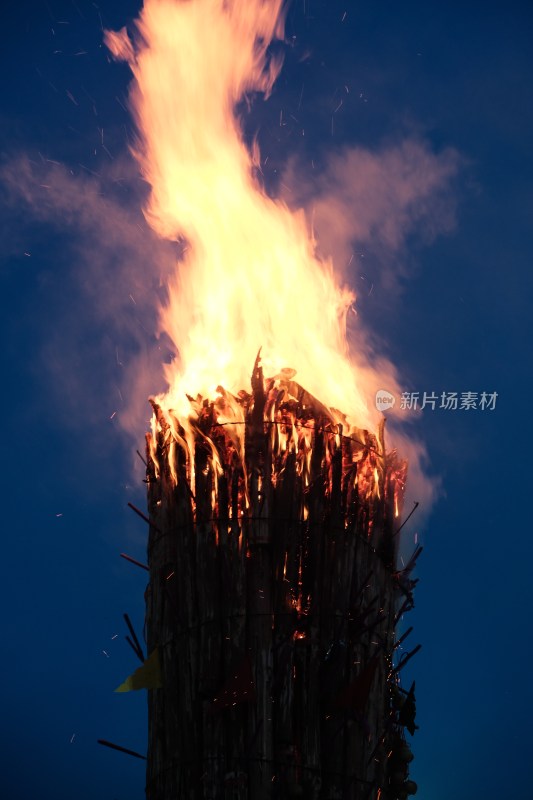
(250, 276)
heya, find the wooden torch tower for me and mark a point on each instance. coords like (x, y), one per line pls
(272, 604)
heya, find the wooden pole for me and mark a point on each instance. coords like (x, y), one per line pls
(272, 599)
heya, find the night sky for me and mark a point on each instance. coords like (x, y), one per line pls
(444, 286)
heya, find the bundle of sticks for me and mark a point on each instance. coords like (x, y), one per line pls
(272, 599)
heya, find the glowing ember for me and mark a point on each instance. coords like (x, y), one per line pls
(249, 277)
(290, 423)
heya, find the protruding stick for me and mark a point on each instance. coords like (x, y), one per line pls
(121, 749)
(407, 658)
(134, 636)
(134, 648)
(134, 561)
(403, 638)
(142, 459)
(407, 518)
(143, 516)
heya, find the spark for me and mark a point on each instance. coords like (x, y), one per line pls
(77, 9)
(99, 17)
(112, 415)
(90, 171)
(49, 11)
(105, 653)
(72, 738)
(84, 90)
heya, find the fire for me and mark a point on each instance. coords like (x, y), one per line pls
(250, 277)
(268, 501)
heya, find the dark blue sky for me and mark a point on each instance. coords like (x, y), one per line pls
(454, 77)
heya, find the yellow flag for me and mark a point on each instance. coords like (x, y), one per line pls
(148, 676)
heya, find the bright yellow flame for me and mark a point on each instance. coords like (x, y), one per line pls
(250, 277)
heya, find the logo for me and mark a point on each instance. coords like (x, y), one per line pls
(384, 400)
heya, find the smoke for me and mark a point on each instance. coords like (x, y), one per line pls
(105, 349)
(104, 355)
(423, 487)
(369, 211)
(377, 201)
(104, 276)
